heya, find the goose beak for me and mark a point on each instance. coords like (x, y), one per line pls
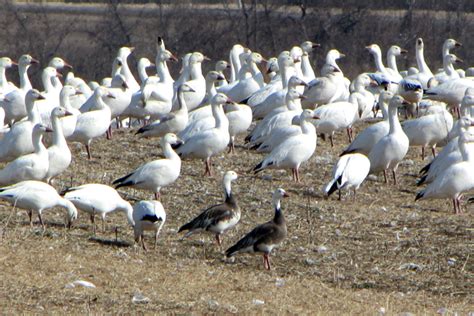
(67, 113)
(315, 45)
(206, 58)
(230, 101)
(174, 58)
(368, 47)
(403, 51)
(303, 84)
(66, 65)
(302, 97)
(178, 144)
(132, 49)
(457, 44)
(59, 75)
(459, 60)
(14, 63)
(285, 195)
(296, 60)
(405, 102)
(40, 97)
(152, 65)
(48, 130)
(264, 60)
(341, 55)
(316, 117)
(227, 67)
(34, 61)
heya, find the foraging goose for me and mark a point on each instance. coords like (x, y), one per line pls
(154, 175)
(14, 102)
(349, 172)
(93, 124)
(148, 215)
(207, 143)
(18, 141)
(424, 75)
(455, 179)
(98, 199)
(293, 151)
(37, 196)
(387, 153)
(218, 218)
(428, 130)
(365, 140)
(264, 237)
(173, 122)
(59, 155)
(32, 166)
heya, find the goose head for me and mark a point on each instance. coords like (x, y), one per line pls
(213, 76)
(220, 98)
(307, 115)
(68, 91)
(397, 51)
(60, 112)
(397, 101)
(32, 96)
(278, 194)
(451, 43)
(119, 81)
(308, 46)
(125, 51)
(285, 60)
(296, 52)
(229, 176)
(419, 43)
(197, 57)
(160, 44)
(145, 63)
(58, 63)
(168, 56)
(40, 129)
(451, 59)
(272, 65)
(292, 95)
(255, 58)
(27, 60)
(295, 81)
(6, 62)
(364, 80)
(374, 49)
(222, 65)
(171, 139)
(49, 73)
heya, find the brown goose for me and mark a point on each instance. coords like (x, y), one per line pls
(264, 237)
(217, 218)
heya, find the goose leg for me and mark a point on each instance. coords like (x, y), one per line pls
(208, 172)
(355, 192)
(266, 260)
(93, 223)
(394, 174)
(340, 195)
(41, 220)
(89, 155)
(385, 175)
(423, 153)
(143, 242)
(297, 173)
(349, 134)
(108, 134)
(433, 150)
(332, 140)
(157, 195)
(30, 215)
(218, 240)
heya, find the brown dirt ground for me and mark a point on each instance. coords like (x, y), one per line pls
(361, 271)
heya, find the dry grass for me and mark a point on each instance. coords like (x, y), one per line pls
(368, 242)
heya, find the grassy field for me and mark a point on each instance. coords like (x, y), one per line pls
(382, 253)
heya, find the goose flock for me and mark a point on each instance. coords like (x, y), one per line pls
(197, 116)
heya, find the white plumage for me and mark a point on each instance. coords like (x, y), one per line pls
(148, 215)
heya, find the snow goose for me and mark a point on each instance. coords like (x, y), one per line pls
(293, 151)
(59, 64)
(324, 90)
(235, 64)
(18, 141)
(449, 155)
(279, 134)
(276, 119)
(142, 65)
(68, 123)
(148, 215)
(6, 86)
(211, 78)
(221, 66)
(240, 119)
(100, 199)
(132, 83)
(32, 166)
(264, 237)
(37, 196)
(218, 218)
(207, 143)
(173, 122)
(451, 92)
(428, 130)
(306, 67)
(94, 123)
(330, 64)
(58, 153)
(366, 139)
(14, 102)
(51, 95)
(196, 81)
(412, 91)
(449, 72)
(424, 75)
(365, 99)
(82, 88)
(154, 175)
(387, 153)
(447, 46)
(393, 52)
(349, 172)
(455, 179)
(375, 51)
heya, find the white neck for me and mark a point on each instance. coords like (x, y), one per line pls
(420, 60)
(392, 61)
(306, 67)
(33, 115)
(25, 83)
(196, 71)
(142, 73)
(163, 72)
(448, 66)
(3, 77)
(47, 82)
(37, 143)
(222, 122)
(378, 62)
(393, 120)
(58, 135)
(182, 104)
(168, 151)
(227, 187)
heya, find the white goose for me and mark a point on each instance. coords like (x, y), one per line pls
(132, 83)
(68, 123)
(240, 119)
(365, 99)
(447, 46)
(59, 64)
(235, 64)
(390, 150)
(366, 139)
(451, 92)
(37, 196)
(456, 179)
(154, 175)
(59, 155)
(306, 67)
(6, 86)
(349, 172)
(449, 72)
(292, 152)
(196, 81)
(148, 215)
(51, 95)
(204, 109)
(393, 52)
(173, 122)
(424, 75)
(324, 90)
(18, 141)
(93, 124)
(205, 144)
(14, 102)
(142, 65)
(32, 166)
(98, 199)
(221, 66)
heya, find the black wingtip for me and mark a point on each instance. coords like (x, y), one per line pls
(334, 186)
(349, 151)
(258, 167)
(422, 180)
(425, 169)
(419, 195)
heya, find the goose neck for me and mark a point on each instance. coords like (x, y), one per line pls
(306, 66)
(393, 120)
(47, 82)
(33, 115)
(392, 61)
(278, 218)
(227, 188)
(25, 83)
(378, 62)
(195, 71)
(163, 71)
(3, 77)
(168, 151)
(420, 60)
(182, 103)
(307, 127)
(142, 74)
(58, 135)
(221, 119)
(70, 208)
(448, 66)
(37, 142)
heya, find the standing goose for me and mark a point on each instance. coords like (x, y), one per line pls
(196, 81)
(154, 175)
(94, 123)
(392, 54)
(68, 123)
(221, 65)
(292, 152)
(217, 218)
(173, 122)
(18, 141)
(58, 153)
(32, 166)
(306, 67)
(264, 237)
(447, 46)
(349, 172)
(37, 196)
(98, 199)
(240, 119)
(449, 72)
(207, 143)
(424, 75)
(148, 215)
(6, 86)
(392, 148)
(123, 53)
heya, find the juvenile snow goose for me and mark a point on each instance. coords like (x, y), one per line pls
(264, 237)
(390, 150)
(154, 175)
(148, 215)
(218, 218)
(293, 151)
(98, 199)
(37, 196)
(207, 143)
(32, 166)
